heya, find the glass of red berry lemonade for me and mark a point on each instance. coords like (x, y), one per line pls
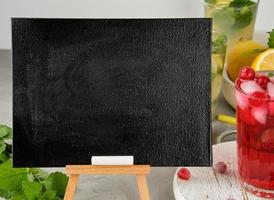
(255, 131)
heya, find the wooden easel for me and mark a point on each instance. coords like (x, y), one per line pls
(140, 171)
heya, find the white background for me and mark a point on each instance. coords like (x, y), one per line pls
(112, 8)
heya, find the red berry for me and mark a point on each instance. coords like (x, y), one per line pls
(267, 140)
(184, 174)
(247, 73)
(220, 167)
(258, 99)
(262, 81)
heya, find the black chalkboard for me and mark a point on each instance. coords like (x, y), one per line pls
(84, 87)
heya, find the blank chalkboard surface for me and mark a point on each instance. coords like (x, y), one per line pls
(86, 87)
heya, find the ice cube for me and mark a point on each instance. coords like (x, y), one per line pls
(250, 87)
(241, 99)
(260, 114)
(270, 90)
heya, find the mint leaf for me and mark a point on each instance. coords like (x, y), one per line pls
(5, 132)
(19, 196)
(271, 39)
(7, 154)
(219, 44)
(50, 195)
(3, 157)
(56, 181)
(270, 74)
(5, 195)
(6, 164)
(11, 178)
(2, 146)
(241, 3)
(243, 17)
(219, 41)
(38, 174)
(238, 14)
(32, 190)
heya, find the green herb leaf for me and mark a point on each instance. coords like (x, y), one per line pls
(3, 157)
(50, 195)
(5, 195)
(238, 14)
(270, 74)
(5, 132)
(241, 3)
(219, 44)
(32, 190)
(57, 181)
(19, 196)
(271, 39)
(38, 174)
(7, 164)
(243, 12)
(219, 41)
(11, 178)
(2, 146)
(243, 17)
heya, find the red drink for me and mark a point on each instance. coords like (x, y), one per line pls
(255, 131)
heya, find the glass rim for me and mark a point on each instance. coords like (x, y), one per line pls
(221, 7)
(249, 96)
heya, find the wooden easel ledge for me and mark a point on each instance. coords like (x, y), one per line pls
(140, 171)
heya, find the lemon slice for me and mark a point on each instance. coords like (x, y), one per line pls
(264, 61)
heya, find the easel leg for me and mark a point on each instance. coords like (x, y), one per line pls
(71, 187)
(142, 186)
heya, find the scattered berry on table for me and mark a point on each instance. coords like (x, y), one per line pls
(184, 174)
(220, 167)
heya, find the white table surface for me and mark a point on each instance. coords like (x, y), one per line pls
(205, 183)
